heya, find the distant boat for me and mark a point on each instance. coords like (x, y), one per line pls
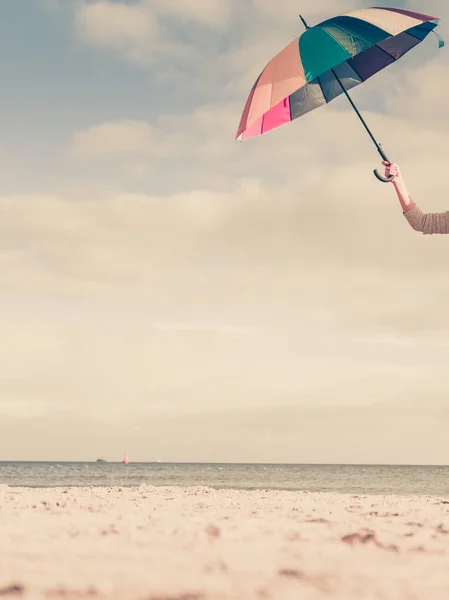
(101, 460)
(125, 460)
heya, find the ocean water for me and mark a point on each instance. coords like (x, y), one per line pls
(344, 479)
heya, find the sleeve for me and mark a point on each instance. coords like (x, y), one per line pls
(428, 223)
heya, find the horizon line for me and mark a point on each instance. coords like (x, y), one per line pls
(219, 463)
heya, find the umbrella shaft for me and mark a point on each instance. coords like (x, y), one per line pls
(376, 143)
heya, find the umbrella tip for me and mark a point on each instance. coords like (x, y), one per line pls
(304, 21)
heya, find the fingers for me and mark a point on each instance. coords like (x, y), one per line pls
(394, 170)
(391, 169)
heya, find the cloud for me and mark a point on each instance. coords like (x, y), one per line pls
(143, 32)
(196, 46)
(231, 297)
(200, 147)
(131, 29)
(270, 11)
(114, 139)
(422, 95)
(292, 435)
(215, 14)
(259, 298)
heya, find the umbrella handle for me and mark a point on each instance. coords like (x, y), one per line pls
(386, 159)
(381, 178)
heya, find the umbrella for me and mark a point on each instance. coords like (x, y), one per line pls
(329, 59)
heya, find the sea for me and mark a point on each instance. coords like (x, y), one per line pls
(342, 479)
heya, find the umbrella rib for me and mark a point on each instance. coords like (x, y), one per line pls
(351, 34)
(354, 69)
(428, 26)
(415, 36)
(322, 89)
(274, 79)
(386, 52)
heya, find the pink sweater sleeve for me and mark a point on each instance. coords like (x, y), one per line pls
(427, 223)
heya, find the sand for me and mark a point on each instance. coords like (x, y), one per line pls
(200, 544)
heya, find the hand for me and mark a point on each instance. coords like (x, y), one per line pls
(399, 185)
(393, 169)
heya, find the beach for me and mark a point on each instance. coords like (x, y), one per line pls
(202, 544)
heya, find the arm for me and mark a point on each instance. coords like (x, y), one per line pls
(426, 223)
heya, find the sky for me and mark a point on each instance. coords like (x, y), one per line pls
(167, 291)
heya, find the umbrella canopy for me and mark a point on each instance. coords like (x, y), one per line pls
(327, 60)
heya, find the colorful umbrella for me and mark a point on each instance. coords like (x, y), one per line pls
(328, 60)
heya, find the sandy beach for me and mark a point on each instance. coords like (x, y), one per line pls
(201, 544)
